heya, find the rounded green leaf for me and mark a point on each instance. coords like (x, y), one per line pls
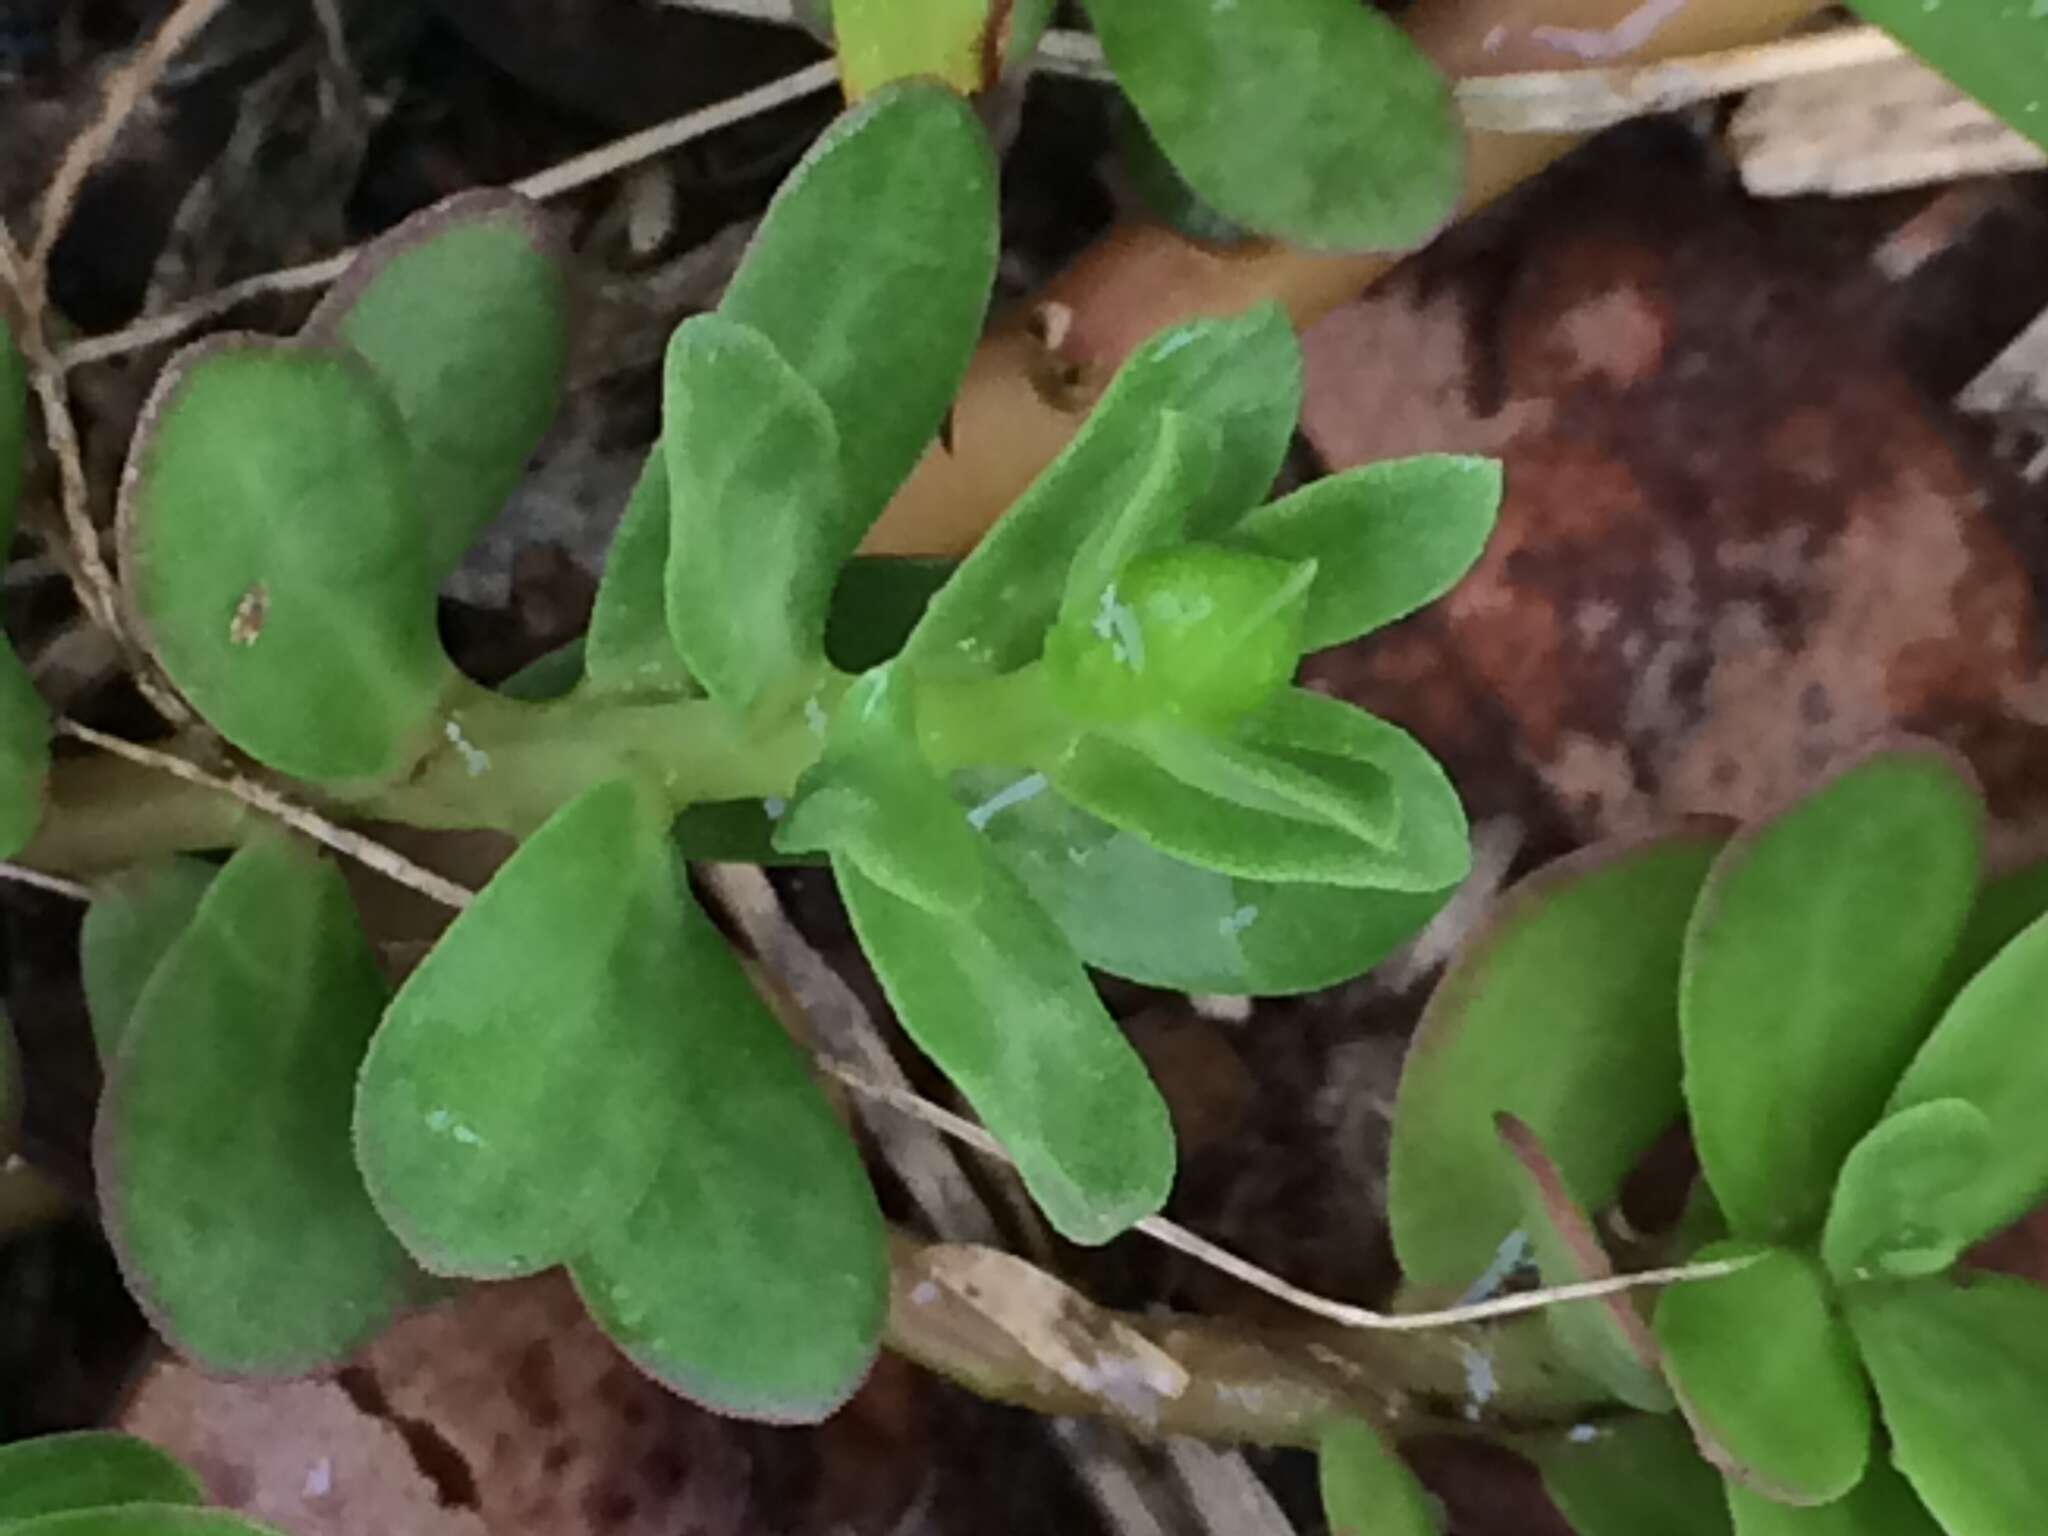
(1367, 1489)
(1962, 1375)
(517, 1097)
(1907, 1201)
(629, 649)
(1135, 912)
(1239, 378)
(1998, 53)
(870, 274)
(1811, 973)
(1314, 121)
(761, 1202)
(1386, 538)
(88, 1469)
(130, 926)
(1883, 1504)
(461, 312)
(270, 538)
(1990, 1050)
(1544, 1015)
(1633, 1477)
(1766, 1374)
(141, 1520)
(222, 1145)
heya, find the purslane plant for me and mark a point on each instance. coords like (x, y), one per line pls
(1086, 750)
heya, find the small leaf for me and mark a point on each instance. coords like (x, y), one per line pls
(1989, 1049)
(130, 926)
(1766, 1374)
(1883, 1504)
(1906, 1203)
(88, 1469)
(1241, 378)
(1962, 1374)
(140, 1520)
(880, 41)
(876, 605)
(222, 1145)
(1367, 1489)
(1543, 1015)
(548, 677)
(1307, 789)
(461, 312)
(1314, 121)
(1810, 976)
(1135, 912)
(1386, 538)
(2006, 904)
(870, 274)
(1998, 53)
(629, 649)
(1607, 1338)
(980, 977)
(1632, 1477)
(754, 485)
(1180, 465)
(517, 1098)
(271, 539)
(761, 1202)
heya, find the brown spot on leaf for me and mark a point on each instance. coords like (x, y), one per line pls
(246, 626)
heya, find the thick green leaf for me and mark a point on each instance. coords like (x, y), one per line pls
(980, 977)
(1989, 1050)
(1962, 1374)
(2007, 903)
(548, 677)
(222, 1146)
(271, 539)
(884, 40)
(1131, 910)
(1811, 970)
(24, 753)
(1308, 788)
(754, 491)
(1239, 377)
(870, 274)
(130, 926)
(1367, 1489)
(1997, 50)
(1766, 1374)
(1907, 1201)
(141, 1520)
(462, 313)
(1606, 1339)
(517, 1098)
(13, 427)
(1315, 121)
(1544, 1015)
(1633, 1477)
(629, 649)
(761, 1203)
(1386, 538)
(1883, 1504)
(89, 1469)
(1180, 465)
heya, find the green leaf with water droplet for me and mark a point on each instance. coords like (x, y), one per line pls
(1962, 1377)
(130, 926)
(754, 486)
(1907, 1203)
(1306, 788)
(88, 1469)
(1812, 971)
(1240, 378)
(979, 975)
(1766, 1374)
(871, 274)
(1135, 912)
(462, 313)
(1630, 1477)
(1883, 1504)
(1386, 538)
(1367, 1489)
(1997, 50)
(222, 1146)
(760, 1201)
(270, 536)
(1544, 1015)
(516, 1100)
(1314, 121)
